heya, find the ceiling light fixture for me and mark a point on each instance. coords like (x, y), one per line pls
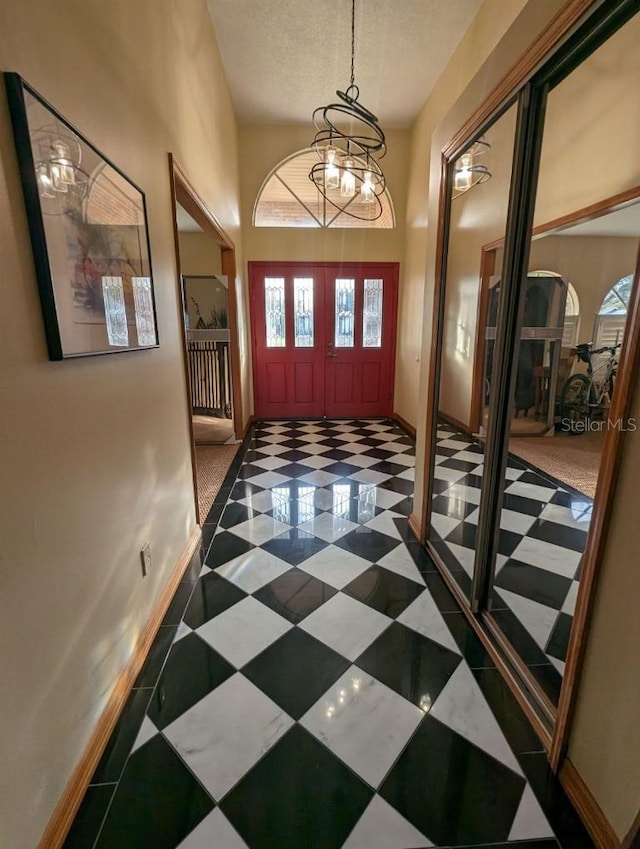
(62, 182)
(467, 172)
(349, 142)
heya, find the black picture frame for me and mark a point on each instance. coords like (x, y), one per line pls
(89, 235)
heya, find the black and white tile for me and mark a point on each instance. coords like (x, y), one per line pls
(322, 689)
(544, 529)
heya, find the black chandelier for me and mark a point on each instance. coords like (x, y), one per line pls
(348, 174)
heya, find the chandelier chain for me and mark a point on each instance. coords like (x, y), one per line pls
(353, 41)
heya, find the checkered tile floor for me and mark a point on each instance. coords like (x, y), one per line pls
(314, 684)
(543, 535)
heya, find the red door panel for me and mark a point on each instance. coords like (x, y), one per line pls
(326, 352)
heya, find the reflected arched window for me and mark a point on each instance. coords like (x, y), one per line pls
(288, 198)
(612, 315)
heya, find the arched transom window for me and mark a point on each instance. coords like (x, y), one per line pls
(288, 198)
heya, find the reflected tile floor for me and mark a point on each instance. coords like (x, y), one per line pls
(544, 530)
(314, 685)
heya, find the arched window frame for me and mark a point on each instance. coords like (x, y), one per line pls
(611, 319)
(324, 216)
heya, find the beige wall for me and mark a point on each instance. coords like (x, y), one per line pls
(199, 254)
(592, 264)
(94, 452)
(578, 169)
(414, 309)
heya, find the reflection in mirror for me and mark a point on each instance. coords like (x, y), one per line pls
(478, 216)
(568, 349)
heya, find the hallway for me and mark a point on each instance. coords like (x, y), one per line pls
(314, 683)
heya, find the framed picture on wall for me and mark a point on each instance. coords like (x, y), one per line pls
(88, 227)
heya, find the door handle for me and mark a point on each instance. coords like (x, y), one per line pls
(332, 355)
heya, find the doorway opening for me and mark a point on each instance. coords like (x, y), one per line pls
(206, 282)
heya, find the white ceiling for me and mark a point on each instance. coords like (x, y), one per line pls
(186, 224)
(283, 58)
(623, 222)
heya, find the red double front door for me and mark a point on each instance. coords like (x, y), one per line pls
(324, 338)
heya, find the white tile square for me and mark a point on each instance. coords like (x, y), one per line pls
(328, 526)
(346, 625)
(353, 448)
(323, 499)
(400, 561)
(335, 566)
(314, 448)
(384, 498)
(530, 490)
(363, 461)
(273, 448)
(364, 723)
(269, 479)
(408, 474)
(463, 493)
(452, 475)
(225, 734)
(403, 459)
(313, 437)
(262, 502)
(270, 463)
(443, 525)
(569, 605)
(319, 478)
(553, 558)
(244, 630)
(253, 569)
(215, 830)
(510, 520)
(457, 443)
(316, 461)
(369, 476)
(384, 523)
(578, 516)
(259, 529)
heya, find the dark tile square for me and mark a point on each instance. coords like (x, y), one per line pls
(399, 485)
(420, 556)
(464, 534)
(176, 608)
(388, 468)
(243, 489)
(294, 470)
(248, 470)
(452, 791)
(511, 718)
(539, 585)
(225, 547)
(385, 591)
(235, 513)
(192, 670)
(343, 470)
(294, 455)
(460, 465)
(122, 738)
(158, 652)
(295, 594)
(524, 644)
(293, 512)
(468, 641)
(358, 510)
(537, 480)
(296, 671)
(557, 534)
(367, 543)
(404, 507)
(439, 486)
(453, 506)
(520, 504)
(88, 820)
(410, 664)
(192, 572)
(559, 640)
(336, 454)
(294, 546)
(212, 595)
(377, 453)
(157, 803)
(442, 595)
(298, 795)
(562, 817)
(453, 566)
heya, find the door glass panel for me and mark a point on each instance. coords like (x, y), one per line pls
(274, 311)
(303, 311)
(372, 314)
(344, 312)
(477, 218)
(559, 410)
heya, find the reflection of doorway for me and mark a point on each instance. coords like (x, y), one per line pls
(324, 338)
(206, 265)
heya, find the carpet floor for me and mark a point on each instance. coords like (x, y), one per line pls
(574, 460)
(208, 430)
(212, 464)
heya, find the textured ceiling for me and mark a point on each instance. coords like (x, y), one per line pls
(285, 57)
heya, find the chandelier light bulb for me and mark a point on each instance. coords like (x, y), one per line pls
(367, 190)
(44, 180)
(331, 170)
(63, 162)
(464, 174)
(348, 182)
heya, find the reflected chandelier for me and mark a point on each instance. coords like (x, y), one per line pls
(349, 142)
(467, 171)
